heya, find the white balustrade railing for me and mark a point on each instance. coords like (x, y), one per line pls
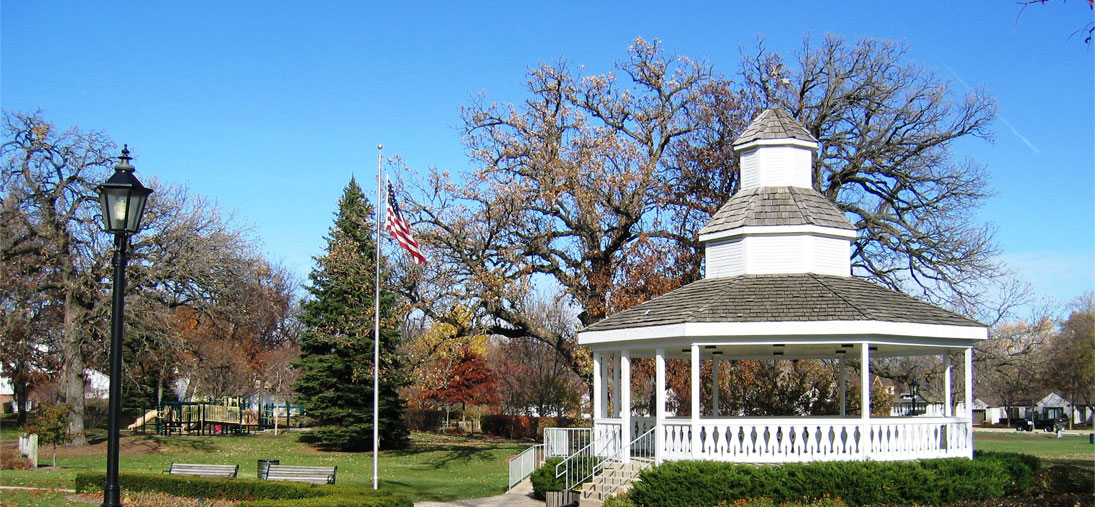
(802, 439)
(607, 434)
(910, 438)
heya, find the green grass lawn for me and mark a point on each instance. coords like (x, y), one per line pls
(1070, 450)
(36, 497)
(433, 468)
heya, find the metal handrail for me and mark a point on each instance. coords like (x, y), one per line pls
(641, 447)
(522, 465)
(576, 472)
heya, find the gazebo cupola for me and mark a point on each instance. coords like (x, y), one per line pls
(777, 223)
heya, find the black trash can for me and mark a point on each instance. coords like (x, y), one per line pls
(264, 467)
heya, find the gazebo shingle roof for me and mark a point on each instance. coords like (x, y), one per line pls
(774, 124)
(776, 206)
(781, 298)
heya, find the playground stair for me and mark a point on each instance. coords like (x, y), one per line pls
(616, 479)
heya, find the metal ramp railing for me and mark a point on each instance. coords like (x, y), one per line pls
(558, 442)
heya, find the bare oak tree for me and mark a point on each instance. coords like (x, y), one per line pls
(187, 256)
(886, 128)
(596, 185)
(588, 174)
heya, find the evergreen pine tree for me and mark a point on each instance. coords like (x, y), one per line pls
(335, 384)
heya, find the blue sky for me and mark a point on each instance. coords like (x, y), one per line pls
(270, 107)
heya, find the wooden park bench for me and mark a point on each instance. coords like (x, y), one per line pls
(314, 475)
(204, 470)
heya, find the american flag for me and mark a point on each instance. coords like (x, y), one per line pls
(400, 228)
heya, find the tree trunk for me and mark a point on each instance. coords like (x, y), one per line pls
(21, 403)
(72, 371)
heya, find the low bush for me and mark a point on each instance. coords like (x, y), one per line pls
(251, 492)
(10, 459)
(421, 419)
(1021, 467)
(516, 427)
(520, 427)
(930, 482)
(543, 478)
(205, 487)
(1062, 480)
(338, 498)
(624, 500)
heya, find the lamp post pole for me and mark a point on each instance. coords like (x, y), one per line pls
(122, 198)
(112, 493)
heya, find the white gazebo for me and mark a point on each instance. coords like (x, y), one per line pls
(778, 286)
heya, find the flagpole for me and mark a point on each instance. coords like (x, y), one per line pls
(376, 319)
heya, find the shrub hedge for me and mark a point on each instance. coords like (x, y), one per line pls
(929, 482)
(1021, 467)
(1062, 479)
(251, 492)
(543, 478)
(518, 427)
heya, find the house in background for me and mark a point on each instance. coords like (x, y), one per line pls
(1050, 405)
(1053, 405)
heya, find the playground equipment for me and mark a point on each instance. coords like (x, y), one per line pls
(222, 416)
(210, 417)
(143, 420)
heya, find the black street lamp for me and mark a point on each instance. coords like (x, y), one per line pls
(914, 391)
(122, 198)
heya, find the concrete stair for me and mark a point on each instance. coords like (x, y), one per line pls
(614, 480)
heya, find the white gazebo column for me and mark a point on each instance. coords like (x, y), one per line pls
(614, 380)
(597, 398)
(695, 401)
(948, 403)
(606, 382)
(969, 397)
(865, 400)
(715, 385)
(625, 404)
(843, 386)
(659, 404)
(969, 383)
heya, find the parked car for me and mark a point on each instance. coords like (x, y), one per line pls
(1047, 424)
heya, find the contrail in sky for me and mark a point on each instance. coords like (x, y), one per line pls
(1005, 120)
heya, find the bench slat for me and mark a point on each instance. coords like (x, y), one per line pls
(316, 475)
(204, 470)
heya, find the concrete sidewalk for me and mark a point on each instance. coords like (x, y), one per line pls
(519, 496)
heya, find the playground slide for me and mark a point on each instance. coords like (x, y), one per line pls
(149, 416)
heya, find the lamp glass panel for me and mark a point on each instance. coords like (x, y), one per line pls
(115, 208)
(136, 210)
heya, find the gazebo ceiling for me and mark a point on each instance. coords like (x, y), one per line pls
(784, 306)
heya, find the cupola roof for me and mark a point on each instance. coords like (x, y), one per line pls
(774, 124)
(760, 206)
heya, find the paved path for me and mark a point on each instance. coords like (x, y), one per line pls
(59, 490)
(516, 497)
